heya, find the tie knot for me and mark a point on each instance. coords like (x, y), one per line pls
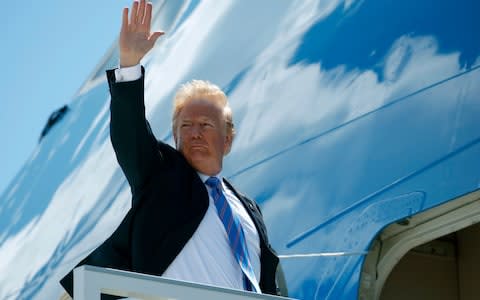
(213, 182)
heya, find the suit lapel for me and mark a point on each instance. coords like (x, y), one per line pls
(252, 210)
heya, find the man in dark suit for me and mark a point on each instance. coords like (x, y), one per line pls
(186, 221)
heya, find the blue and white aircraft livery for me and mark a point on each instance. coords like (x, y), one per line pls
(358, 134)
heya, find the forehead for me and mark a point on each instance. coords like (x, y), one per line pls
(201, 107)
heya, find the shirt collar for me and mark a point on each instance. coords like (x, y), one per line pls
(204, 177)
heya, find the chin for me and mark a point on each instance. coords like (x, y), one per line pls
(204, 167)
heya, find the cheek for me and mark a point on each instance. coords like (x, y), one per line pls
(222, 144)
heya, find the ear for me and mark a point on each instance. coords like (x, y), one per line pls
(227, 146)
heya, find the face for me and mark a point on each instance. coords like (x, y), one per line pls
(201, 136)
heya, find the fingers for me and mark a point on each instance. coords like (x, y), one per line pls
(141, 15)
(140, 19)
(148, 16)
(125, 20)
(134, 13)
(141, 12)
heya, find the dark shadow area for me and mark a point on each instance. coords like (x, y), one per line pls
(54, 118)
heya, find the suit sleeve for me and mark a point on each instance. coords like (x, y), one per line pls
(137, 152)
(135, 145)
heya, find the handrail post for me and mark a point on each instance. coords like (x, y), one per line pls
(84, 285)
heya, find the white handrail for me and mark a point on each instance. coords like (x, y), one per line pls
(90, 282)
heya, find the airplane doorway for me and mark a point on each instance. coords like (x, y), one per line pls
(445, 268)
(432, 255)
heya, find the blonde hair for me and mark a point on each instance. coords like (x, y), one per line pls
(202, 89)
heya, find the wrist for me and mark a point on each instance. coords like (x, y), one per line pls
(126, 62)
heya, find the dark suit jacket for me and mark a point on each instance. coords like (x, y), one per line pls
(169, 198)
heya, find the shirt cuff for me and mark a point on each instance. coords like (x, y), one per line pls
(128, 73)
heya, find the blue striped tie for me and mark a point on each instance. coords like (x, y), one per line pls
(235, 233)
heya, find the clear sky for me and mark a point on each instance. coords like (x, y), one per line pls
(47, 50)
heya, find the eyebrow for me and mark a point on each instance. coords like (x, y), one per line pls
(200, 119)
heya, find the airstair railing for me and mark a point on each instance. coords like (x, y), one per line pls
(90, 282)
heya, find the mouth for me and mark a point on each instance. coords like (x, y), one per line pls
(198, 146)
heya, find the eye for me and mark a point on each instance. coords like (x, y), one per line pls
(207, 125)
(185, 125)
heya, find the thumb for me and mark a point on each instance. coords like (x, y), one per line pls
(154, 36)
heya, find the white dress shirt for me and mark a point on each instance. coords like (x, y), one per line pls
(207, 257)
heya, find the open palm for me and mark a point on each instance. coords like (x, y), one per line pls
(135, 36)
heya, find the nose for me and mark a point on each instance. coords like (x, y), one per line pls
(196, 131)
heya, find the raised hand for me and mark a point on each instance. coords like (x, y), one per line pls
(135, 37)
